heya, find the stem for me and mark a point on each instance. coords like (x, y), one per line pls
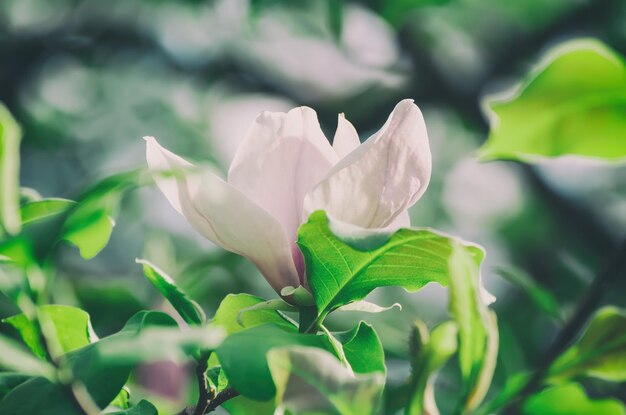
(570, 331)
(203, 388)
(223, 396)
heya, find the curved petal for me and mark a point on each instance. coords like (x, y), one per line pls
(383, 177)
(224, 215)
(346, 138)
(282, 157)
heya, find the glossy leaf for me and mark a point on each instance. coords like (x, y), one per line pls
(570, 399)
(344, 270)
(600, 352)
(478, 330)
(243, 357)
(572, 104)
(10, 136)
(188, 309)
(313, 381)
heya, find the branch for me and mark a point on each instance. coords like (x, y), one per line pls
(223, 396)
(586, 306)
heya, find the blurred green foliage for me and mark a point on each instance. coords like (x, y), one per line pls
(86, 79)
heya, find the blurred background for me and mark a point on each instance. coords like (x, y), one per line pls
(87, 79)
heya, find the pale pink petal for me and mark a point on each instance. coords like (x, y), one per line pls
(281, 158)
(381, 178)
(346, 138)
(224, 215)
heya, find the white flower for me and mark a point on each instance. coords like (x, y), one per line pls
(285, 169)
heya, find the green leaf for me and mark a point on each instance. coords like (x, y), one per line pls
(363, 349)
(429, 352)
(44, 208)
(143, 407)
(367, 307)
(243, 357)
(229, 318)
(188, 309)
(69, 326)
(313, 381)
(570, 399)
(122, 400)
(600, 352)
(9, 380)
(573, 104)
(16, 358)
(10, 136)
(341, 271)
(103, 367)
(478, 330)
(90, 233)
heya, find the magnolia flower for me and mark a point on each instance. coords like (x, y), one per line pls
(285, 169)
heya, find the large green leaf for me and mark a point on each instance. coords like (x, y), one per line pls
(573, 104)
(570, 399)
(243, 356)
(429, 353)
(188, 309)
(10, 136)
(600, 352)
(312, 381)
(69, 326)
(344, 269)
(478, 329)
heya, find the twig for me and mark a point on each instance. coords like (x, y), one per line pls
(223, 396)
(615, 268)
(203, 388)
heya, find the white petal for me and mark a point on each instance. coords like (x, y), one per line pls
(224, 215)
(383, 177)
(346, 138)
(282, 157)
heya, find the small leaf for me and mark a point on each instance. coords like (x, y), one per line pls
(570, 399)
(276, 305)
(600, 352)
(344, 270)
(367, 307)
(363, 349)
(429, 353)
(312, 381)
(243, 357)
(227, 314)
(573, 104)
(188, 309)
(10, 136)
(44, 208)
(143, 407)
(71, 325)
(478, 330)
